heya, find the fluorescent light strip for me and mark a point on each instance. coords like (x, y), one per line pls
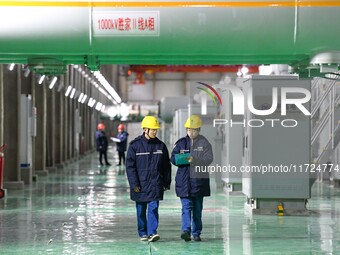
(93, 102)
(81, 97)
(11, 67)
(73, 92)
(103, 91)
(84, 98)
(109, 92)
(27, 72)
(41, 79)
(98, 106)
(54, 80)
(107, 86)
(90, 101)
(68, 90)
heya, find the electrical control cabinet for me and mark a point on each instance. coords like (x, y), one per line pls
(231, 158)
(276, 146)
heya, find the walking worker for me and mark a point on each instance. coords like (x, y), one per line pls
(122, 144)
(148, 169)
(102, 144)
(189, 152)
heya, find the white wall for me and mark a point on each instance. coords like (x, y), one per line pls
(140, 92)
(169, 88)
(161, 85)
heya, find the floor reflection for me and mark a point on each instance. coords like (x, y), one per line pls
(86, 209)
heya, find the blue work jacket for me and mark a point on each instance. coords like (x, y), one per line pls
(190, 182)
(121, 146)
(148, 167)
(101, 141)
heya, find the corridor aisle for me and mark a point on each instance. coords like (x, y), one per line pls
(85, 209)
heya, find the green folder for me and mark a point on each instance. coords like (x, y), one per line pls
(182, 158)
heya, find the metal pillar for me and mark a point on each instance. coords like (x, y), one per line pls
(50, 132)
(12, 87)
(1, 106)
(40, 139)
(58, 120)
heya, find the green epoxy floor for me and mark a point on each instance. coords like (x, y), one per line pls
(85, 209)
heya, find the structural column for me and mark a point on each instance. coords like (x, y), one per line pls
(11, 127)
(89, 135)
(64, 122)
(50, 132)
(1, 106)
(34, 118)
(71, 114)
(81, 85)
(40, 139)
(89, 123)
(26, 146)
(58, 112)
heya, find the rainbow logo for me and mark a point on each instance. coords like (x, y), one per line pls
(211, 94)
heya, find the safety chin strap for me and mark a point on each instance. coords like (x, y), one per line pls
(192, 140)
(147, 133)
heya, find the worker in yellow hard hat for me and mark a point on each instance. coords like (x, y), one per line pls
(148, 170)
(150, 126)
(190, 153)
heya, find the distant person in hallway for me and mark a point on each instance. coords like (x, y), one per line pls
(102, 144)
(191, 151)
(148, 169)
(122, 144)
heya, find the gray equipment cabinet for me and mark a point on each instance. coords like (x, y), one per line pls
(278, 149)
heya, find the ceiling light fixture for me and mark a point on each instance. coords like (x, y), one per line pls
(107, 86)
(42, 77)
(69, 88)
(54, 80)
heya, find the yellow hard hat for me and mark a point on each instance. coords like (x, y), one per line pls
(150, 122)
(194, 121)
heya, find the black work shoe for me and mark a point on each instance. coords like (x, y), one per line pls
(154, 238)
(108, 164)
(197, 238)
(144, 238)
(185, 236)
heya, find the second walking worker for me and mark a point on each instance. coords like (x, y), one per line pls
(191, 186)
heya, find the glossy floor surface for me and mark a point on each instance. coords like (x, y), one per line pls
(85, 209)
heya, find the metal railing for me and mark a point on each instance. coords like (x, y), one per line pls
(325, 103)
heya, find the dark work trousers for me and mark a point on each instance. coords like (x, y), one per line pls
(101, 154)
(147, 217)
(121, 155)
(192, 215)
